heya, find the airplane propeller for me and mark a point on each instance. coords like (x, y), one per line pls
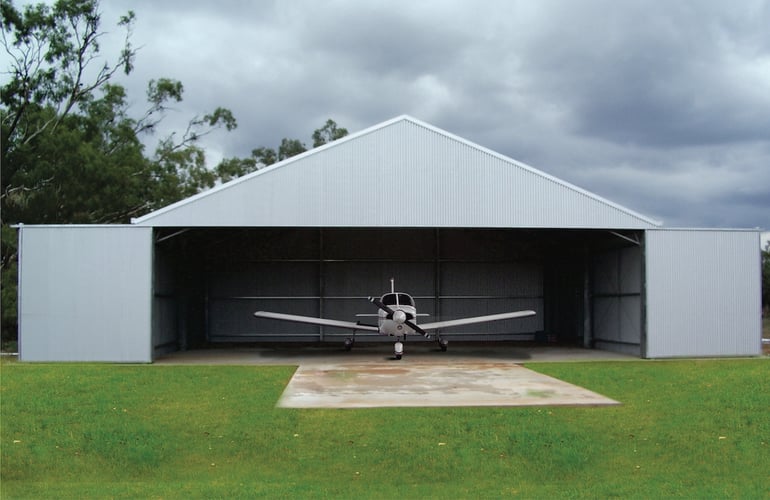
(398, 316)
(377, 302)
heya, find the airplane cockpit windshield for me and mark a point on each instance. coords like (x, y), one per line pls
(397, 299)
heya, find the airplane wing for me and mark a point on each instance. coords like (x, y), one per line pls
(315, 321)
(375, 315)
(475, 319)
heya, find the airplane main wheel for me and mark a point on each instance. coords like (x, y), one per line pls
(398, 356)
(443, 344)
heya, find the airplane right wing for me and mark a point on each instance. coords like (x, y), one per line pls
(315, 321)
(475, 319)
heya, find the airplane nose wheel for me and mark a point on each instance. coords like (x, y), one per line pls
(398, 349)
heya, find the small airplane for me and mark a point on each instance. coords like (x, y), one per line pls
(397, 317)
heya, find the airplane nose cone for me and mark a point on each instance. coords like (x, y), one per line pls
(399, 317)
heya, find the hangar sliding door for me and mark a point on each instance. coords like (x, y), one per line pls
(703, 293)
(617, 300)
(85, 293)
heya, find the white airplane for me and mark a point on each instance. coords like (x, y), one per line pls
(397, 317)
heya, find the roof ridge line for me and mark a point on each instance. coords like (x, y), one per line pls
(380, 126)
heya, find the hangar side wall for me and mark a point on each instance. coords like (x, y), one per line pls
(85, 293)
(617, 300)
(703, 293)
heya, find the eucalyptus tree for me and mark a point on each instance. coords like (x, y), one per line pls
(263, 156)
(328, 133)
(69, 148)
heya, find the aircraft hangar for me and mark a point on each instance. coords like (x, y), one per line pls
(466, 231)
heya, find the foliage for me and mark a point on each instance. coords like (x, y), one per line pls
(50, 108)
(231, 168)
(70, 151)
(264, 156)
(696, 429)
(8, 286)
(289, 147)
(328, 133)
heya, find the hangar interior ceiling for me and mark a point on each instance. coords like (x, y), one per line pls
(585, 285)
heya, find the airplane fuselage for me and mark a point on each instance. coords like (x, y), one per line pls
(404, 310)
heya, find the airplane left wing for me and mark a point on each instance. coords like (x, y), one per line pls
(316, 321)
(475, 319)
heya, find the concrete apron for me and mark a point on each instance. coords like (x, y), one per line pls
(472, 374)
(471, 383)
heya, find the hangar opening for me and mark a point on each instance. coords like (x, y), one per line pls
(585, 284)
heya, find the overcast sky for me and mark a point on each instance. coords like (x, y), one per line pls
(660, 106)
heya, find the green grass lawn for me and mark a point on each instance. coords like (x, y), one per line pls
(685, 428)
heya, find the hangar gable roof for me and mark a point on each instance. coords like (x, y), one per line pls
(400, 173)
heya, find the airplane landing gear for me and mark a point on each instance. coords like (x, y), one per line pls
(398, 349)
(349, 343)
(443, 344)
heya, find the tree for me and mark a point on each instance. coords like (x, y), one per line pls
(70, 151)
(51, 49)
(267, 156)
(179, 166)
(262, 156)
(231, 168)
(328, 133)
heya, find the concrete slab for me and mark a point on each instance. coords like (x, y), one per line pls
(397, 384)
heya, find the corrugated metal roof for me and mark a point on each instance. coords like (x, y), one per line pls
(400, 173)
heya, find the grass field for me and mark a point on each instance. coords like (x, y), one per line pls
(686, 428)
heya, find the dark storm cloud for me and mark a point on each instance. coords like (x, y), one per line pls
(663, 107)
(381, 40)
(658, 74)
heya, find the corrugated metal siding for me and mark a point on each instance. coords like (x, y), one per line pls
(449, 273)
(617, 300)
(401, 174)
(703, 293)
(481, 288)
(165, 318)
(85, 293)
